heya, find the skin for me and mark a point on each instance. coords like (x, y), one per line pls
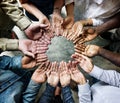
(53, 75)
(94, 50)
(76, 75)
(64, 74)
(84, 62)
(39, 75)
(35, 31)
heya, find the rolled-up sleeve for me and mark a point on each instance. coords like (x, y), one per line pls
(11, 8)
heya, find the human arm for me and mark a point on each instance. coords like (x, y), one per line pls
(69, 20)
(84, 91)
(37, 79)
(32, 9)
(65, 81)
(52, 81)
(93, 50)
(28, 47)
(11, 8)
(57, 20)
(108, 76)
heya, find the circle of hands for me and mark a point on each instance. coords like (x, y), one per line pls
(62, 72)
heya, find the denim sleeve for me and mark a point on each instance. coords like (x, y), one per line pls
(48, 94)
(67, 95)
(7, 62)
(31, 92)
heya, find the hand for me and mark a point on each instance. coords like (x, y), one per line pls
(75, 32)
(88, 34)
(84, 62)
(76, 75)
(28, 62)
(87, 22)
(57, 21)
(68, 22)
(39, 75)
(53, 75)
(44, 20)
(35, 30)
(64, 74)
(28, 47)
(41, 58)
(89, 50)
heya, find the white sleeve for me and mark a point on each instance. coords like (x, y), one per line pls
(97, 22)
(111, 77)
(68, 2)
(84, 93)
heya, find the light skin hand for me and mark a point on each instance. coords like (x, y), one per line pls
(39, 75)
(35, 30)
(28, 62)
(53, 75)
(84, 62)
(64, 74)
(28, 47)
(76, 75)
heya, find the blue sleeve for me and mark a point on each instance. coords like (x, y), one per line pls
(67, 95)
(31, 92)
(7, 62)
(48, 94)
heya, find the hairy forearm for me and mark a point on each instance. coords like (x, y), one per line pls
(110, 24)
(58, 4)
(111, 56)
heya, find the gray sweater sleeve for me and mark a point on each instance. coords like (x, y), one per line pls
(111, 77)
(84, 93)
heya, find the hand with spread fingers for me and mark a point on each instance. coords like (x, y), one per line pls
(76, 75)
(84, 62)
(89, 50)
(41, 58)
(53, 75)
(75, 32)
(88, 35)
(39, 75)
(64, 74)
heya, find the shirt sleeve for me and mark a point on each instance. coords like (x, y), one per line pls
(8, 44)
(111, 77)
(84, 93)
(67, 95)
(97, 22)
(11, 8)
(7, 62)
(48, 94)
(68, 2)
(31, 92)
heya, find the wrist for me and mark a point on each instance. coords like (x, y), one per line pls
(57, 10)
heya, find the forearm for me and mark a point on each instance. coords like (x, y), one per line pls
(33, 10)
(70, 9)
(31, 92)
(111, 56)
(110, 24)
(84, 93)
(8, 44)
(10, 8)
(58, 4)
(67, 95)
(108, 76)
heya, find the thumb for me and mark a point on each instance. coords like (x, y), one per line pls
(29, 54)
